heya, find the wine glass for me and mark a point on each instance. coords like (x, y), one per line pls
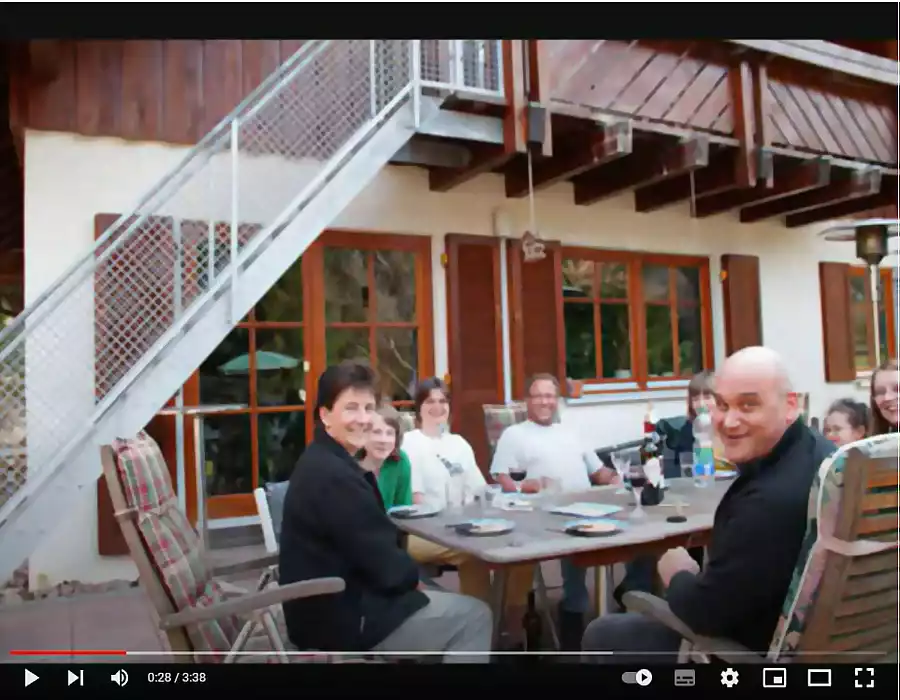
(621, 464)
(638, 480)
(518, 475)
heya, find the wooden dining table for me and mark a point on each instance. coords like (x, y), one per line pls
(539, 535)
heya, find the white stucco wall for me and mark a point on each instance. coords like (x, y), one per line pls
(69, 179)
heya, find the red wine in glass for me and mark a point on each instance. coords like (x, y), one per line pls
(638, 481)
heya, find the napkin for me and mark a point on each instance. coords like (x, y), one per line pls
(586, 510)
(516, 504)
(653, 472)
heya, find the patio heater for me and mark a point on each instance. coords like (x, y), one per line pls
(871, 237)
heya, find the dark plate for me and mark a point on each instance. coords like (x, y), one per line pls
(412, 512)
(471, 529)
(577, 530)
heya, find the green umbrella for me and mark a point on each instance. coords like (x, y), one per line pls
(264, 361)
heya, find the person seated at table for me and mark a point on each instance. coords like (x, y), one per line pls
(757, 531)
(546, 449)
(641, 571)
(434, 454)
(846, 421)
(383, 458)
(334, 524)
(884, 399)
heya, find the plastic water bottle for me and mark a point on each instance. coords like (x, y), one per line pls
(704, 460)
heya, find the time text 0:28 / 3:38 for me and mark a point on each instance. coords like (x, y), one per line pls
(174, 678)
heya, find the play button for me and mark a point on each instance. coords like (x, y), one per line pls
(643, 677)
(30, 678)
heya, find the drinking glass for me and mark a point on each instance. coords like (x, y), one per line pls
(638, 479)
(686, 459)
(456, 493)
(550, 490)
(621, 464)
(491, 496)
(518, 475)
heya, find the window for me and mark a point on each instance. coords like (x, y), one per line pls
(350, 296)
(634, 318)
(862, 322)
(370, 314)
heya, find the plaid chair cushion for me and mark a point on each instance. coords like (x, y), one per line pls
(171, 542)
(498, 417)
(825, 500)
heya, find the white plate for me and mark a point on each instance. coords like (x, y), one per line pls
(421, 510)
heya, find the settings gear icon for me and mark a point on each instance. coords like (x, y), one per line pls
(729, 678)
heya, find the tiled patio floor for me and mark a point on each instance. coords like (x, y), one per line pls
(121, 620)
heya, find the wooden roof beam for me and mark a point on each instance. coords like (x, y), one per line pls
(639, 170)
(861, 183)
(579, 155)
(720, 176)
(885, 197)
(486, 157)
(788, 180)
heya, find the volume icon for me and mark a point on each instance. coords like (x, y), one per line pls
(120, 678)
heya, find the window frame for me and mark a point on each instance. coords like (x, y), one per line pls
(886, 280)
(314, 327)
(634, 261)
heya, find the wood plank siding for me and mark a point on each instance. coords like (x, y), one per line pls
(171, 91)
(685, 85)
(635, 80)
(832, 120)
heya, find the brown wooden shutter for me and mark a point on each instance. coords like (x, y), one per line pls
(537, 336)
(474, 335)
(837, 333)
(741, 299)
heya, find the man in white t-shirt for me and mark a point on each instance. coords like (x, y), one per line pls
(546, 449)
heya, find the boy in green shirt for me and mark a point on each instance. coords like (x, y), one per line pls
(384, 458)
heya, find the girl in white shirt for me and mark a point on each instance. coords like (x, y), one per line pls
(435, 455)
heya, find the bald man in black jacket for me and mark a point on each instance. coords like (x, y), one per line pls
(758, 529)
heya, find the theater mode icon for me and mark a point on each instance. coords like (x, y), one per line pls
(774, 678)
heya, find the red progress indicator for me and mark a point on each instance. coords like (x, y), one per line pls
(67, 652)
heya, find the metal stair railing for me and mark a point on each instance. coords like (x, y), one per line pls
(158, 272)
(67, 357)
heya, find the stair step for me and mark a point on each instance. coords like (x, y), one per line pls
(239, 536)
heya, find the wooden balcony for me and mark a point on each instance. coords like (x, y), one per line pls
(717, 123)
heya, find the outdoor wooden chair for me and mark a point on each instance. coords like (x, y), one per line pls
(270, 506)
(203, 617)
(843, 596)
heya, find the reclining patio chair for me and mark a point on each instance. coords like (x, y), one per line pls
(843, 596)
(204, 618)
(270, 507)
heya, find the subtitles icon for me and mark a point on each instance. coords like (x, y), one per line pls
(685, 677)
(774, 678)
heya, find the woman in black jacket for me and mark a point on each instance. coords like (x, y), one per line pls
(334, 524)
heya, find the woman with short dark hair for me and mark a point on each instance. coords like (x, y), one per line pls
(334, 524)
